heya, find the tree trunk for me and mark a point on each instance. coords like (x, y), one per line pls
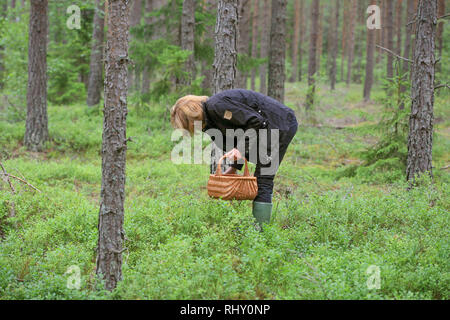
(207, 70)
(319, 40)
(390, 36)
(303, 32)
(399, 26)
(411, 11)
(440, 31)
(114, 146)
(135, 19)
(370, 55)
(2, 48)
(243, 40)
(36, 132)
(334, 44)
(344, 36)
(254, 39)
(225, 48)
(146, 70)
(264, 48)
(277, 52)
(225, 57)
(96, 65)
(187, 38)
(351, 39)
(312, 54)
(295, 43)
(420, 139)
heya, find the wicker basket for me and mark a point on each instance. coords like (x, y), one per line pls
(232, 186)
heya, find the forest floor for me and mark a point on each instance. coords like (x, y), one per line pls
(330, 233)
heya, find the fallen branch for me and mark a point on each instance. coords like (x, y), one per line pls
(444, 16)
(394, 54)
(7, 179)
(446, 167)
(23, 181)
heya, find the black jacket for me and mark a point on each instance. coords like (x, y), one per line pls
(245, 109)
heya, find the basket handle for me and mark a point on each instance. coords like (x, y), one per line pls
(219, 169)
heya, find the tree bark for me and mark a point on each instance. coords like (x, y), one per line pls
(36, 132)
(255, 18)
(390, 36)
(334, 44)
(319, 39)
(303, 32)
(351, 39)
(225, 47)
(207, 70)
(264, 48)
(135, 18)
(420, 139)
(243, 40)
(187, 38)
(312, 54)
(225, 57)
(411, 12)
(114, 146)
(370, 55)
(277, 52)
(146, 70)
(2, 48)
(399, 26)
(96, 65)
(440, 31)
(344, 36)
(295, 43)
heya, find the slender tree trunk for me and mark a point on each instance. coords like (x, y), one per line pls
(254, 39)
(440, 31)
(312, 54)
(334, 44)
(399, 25)
(207, 70)
(146, 69)
(351, 39)
(390, 36)
(243, 40)
(319, 40)
(135, 18)
(96, 65)
(187, 37)
(225, 49)
(114, 146)
(295, 43)
(2, 48)
(420, 139)
(277, 52)
(370, 55)
(344, 36)
(265, 40)
(225, 57)
(411, 11)
(36, 132)
(379, 34)
(303, 32)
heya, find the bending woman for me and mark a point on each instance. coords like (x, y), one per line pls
(267, 127)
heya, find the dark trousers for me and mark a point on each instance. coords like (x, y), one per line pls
(265, 182)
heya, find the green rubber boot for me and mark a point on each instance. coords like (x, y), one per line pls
(262, 212)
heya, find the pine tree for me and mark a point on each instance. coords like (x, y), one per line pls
(420, 139)
(312, 54)
(36, 131)
(96, 64)
(277, 51)
(187, 37)
(114, 146)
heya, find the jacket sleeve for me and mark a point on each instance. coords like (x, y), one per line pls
(238, 115)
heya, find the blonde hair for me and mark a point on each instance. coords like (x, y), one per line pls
(186, 111)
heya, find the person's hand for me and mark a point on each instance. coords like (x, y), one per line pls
(233, 154)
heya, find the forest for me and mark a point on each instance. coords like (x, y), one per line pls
(93, 207)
